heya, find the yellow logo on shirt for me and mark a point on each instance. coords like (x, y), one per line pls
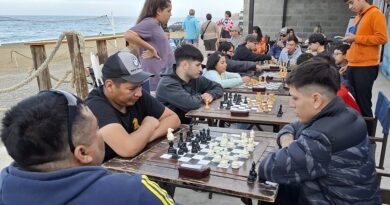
(135, 123)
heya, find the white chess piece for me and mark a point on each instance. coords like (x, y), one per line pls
(210, 153)
(217, 158)
(170, 135)
(245, 153)
(235, 163)
(224, 163)
(252, 134)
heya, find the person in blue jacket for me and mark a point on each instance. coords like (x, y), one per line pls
(324, 158)
(191, 28)
(216, 71)
(57, 149)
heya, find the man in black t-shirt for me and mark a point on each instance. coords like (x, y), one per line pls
(128, 116)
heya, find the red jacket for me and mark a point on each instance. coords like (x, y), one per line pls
(348, 98)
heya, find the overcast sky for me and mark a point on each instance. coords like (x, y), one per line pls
(118, 7)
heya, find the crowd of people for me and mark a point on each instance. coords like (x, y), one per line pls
(59, 141)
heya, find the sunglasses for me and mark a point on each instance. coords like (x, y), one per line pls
(72, 110)
(283, 35)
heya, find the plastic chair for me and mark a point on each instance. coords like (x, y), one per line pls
(382, 114)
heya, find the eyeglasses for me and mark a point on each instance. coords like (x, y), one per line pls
(72, 110)
(283, 35)
(337, 53)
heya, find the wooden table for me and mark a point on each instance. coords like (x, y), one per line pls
(245, 89)
(222, 181)
(270, 118)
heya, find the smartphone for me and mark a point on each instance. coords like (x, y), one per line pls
(339, 37)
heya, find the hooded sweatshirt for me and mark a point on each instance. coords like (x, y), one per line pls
(191, 27)
(79, 185)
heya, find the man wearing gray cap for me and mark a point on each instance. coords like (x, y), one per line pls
(278, 46)
(129, 118)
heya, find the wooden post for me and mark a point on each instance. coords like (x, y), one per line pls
(102, 50)
(78, 66)
(39, 56)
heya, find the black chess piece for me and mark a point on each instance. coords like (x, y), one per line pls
(228, 106)
(208, 134)
(184, 147)
(191, 128)
(280, 112)
(252, 174)
(171, 149)
(230, 95)
(245, 100)
(181, 150)
(221, 105)
(239, 98)
(194, 148)
(225, 97)
(188, 138)
(181, 141)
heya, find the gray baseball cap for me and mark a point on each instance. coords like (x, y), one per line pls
(125, 65)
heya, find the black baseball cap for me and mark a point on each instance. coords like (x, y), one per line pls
(125, 65)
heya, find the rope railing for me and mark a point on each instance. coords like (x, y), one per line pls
(44, 65)
(9, 18)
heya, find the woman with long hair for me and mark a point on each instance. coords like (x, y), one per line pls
(216, 71)
(261, 47)
(149, 37)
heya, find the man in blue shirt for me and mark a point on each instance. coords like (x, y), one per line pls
(278, 46)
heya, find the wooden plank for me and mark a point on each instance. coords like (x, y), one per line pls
(78, 66)
(101, 46)
(223, 181)
(39, 56)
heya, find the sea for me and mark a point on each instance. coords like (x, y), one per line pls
(20, 29)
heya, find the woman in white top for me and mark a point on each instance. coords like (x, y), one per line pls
(216, 71)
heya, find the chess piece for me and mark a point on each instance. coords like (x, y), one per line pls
(280, 112)
(208, 134)
(207, 107)
(252, 174)
(246, 100)
(244, 153)
(217, 158)
(235, 163)
(225, 97)
(221, 105)
(230, 95)
(188, 138)
(181, 150)
(266, 108)
(170, 135)
(210, 153)
(252, 134)
(171, 149)
(194, 148)
(181, 141)
(191, 128)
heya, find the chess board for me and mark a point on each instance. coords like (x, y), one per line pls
(270, 86)
(246, 104)
(274, 75)
(202, 157)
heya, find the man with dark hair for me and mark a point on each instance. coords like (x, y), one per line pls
(58, 148)
(366, 37)
(324, 157)
(129, 118)
(244, 51)
(236, 66)
(236, 38)
(292, 51)
(183, 88)
(317, 43)
(278, 46)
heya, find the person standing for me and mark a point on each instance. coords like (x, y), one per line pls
(227, 25)
(366, 37)
(148, 35)
(191, 28)
(210, 34)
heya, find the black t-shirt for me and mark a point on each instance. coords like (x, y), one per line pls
(131, 120)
